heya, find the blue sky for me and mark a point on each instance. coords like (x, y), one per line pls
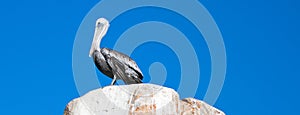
(261, 38)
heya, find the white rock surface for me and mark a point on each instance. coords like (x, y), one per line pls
(191, 106)
(137, 99)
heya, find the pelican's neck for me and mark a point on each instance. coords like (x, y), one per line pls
(100, 31)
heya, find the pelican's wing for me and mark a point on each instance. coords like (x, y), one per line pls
(119, 69)
(127, 61)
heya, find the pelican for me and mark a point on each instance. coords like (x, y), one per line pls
(113, 64)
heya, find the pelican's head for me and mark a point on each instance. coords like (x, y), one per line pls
(100, 30)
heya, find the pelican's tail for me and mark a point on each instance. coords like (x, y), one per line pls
(100, 30)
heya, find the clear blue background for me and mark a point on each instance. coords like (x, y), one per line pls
(261, 37)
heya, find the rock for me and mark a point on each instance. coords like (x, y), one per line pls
(137, 99)
(191, 106)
